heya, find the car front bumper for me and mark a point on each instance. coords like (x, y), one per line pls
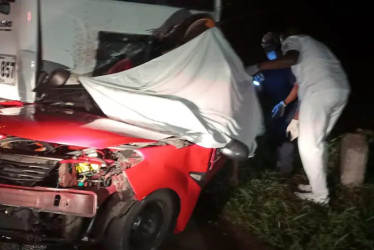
(53, 200)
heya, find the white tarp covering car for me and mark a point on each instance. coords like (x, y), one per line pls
(199, 91)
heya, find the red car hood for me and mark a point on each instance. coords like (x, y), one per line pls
(63, 126)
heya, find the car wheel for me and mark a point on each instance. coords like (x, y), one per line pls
(144, 226)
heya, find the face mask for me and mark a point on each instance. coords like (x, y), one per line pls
(271, 55)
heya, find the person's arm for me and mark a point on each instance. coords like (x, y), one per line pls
(289, 59)
(293, 127)
(292, 95)
(279, 109)
(296, 117)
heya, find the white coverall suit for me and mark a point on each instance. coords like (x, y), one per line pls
(323, 94)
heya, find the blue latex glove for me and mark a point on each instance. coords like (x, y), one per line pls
(278, 110)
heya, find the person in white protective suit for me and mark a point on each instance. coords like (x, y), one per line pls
(323, 93)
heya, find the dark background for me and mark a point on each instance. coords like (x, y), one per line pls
(346, 27)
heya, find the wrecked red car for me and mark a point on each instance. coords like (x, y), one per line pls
(109, 131)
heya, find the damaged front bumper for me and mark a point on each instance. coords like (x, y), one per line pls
(53, 200)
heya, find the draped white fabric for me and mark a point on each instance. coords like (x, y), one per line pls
(198, 91)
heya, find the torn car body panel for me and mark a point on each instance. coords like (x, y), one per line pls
(53, 200)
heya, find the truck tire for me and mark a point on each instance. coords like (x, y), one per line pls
(144, 226)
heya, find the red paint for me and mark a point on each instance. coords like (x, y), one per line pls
(12, 103)
(56, 126)
(167, 167)
(75, 148)
(163, 167)
(217, 161)
(120, 66)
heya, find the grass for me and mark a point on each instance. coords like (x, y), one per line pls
(267, 208)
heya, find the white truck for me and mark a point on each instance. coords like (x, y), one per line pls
(43, 35)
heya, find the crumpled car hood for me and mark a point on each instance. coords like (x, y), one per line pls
(69, 127)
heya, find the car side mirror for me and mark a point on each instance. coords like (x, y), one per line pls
(236, 150)
(56, 79)
(4, 8)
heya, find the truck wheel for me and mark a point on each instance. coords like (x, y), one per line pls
(144, 226)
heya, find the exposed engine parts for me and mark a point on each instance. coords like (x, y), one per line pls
(29, 163)
(68, 183)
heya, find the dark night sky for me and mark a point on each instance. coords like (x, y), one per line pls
(344, 26)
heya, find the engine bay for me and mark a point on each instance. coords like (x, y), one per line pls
(52, 169)
(29, 163)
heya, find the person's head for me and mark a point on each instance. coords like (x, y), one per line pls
(271, 44)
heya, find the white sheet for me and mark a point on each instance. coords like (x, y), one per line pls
(199, 91)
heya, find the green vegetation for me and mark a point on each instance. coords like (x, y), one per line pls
(265, 206)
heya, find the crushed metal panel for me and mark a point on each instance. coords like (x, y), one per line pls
(53, 200)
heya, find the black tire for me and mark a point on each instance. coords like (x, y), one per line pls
(144, 226)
